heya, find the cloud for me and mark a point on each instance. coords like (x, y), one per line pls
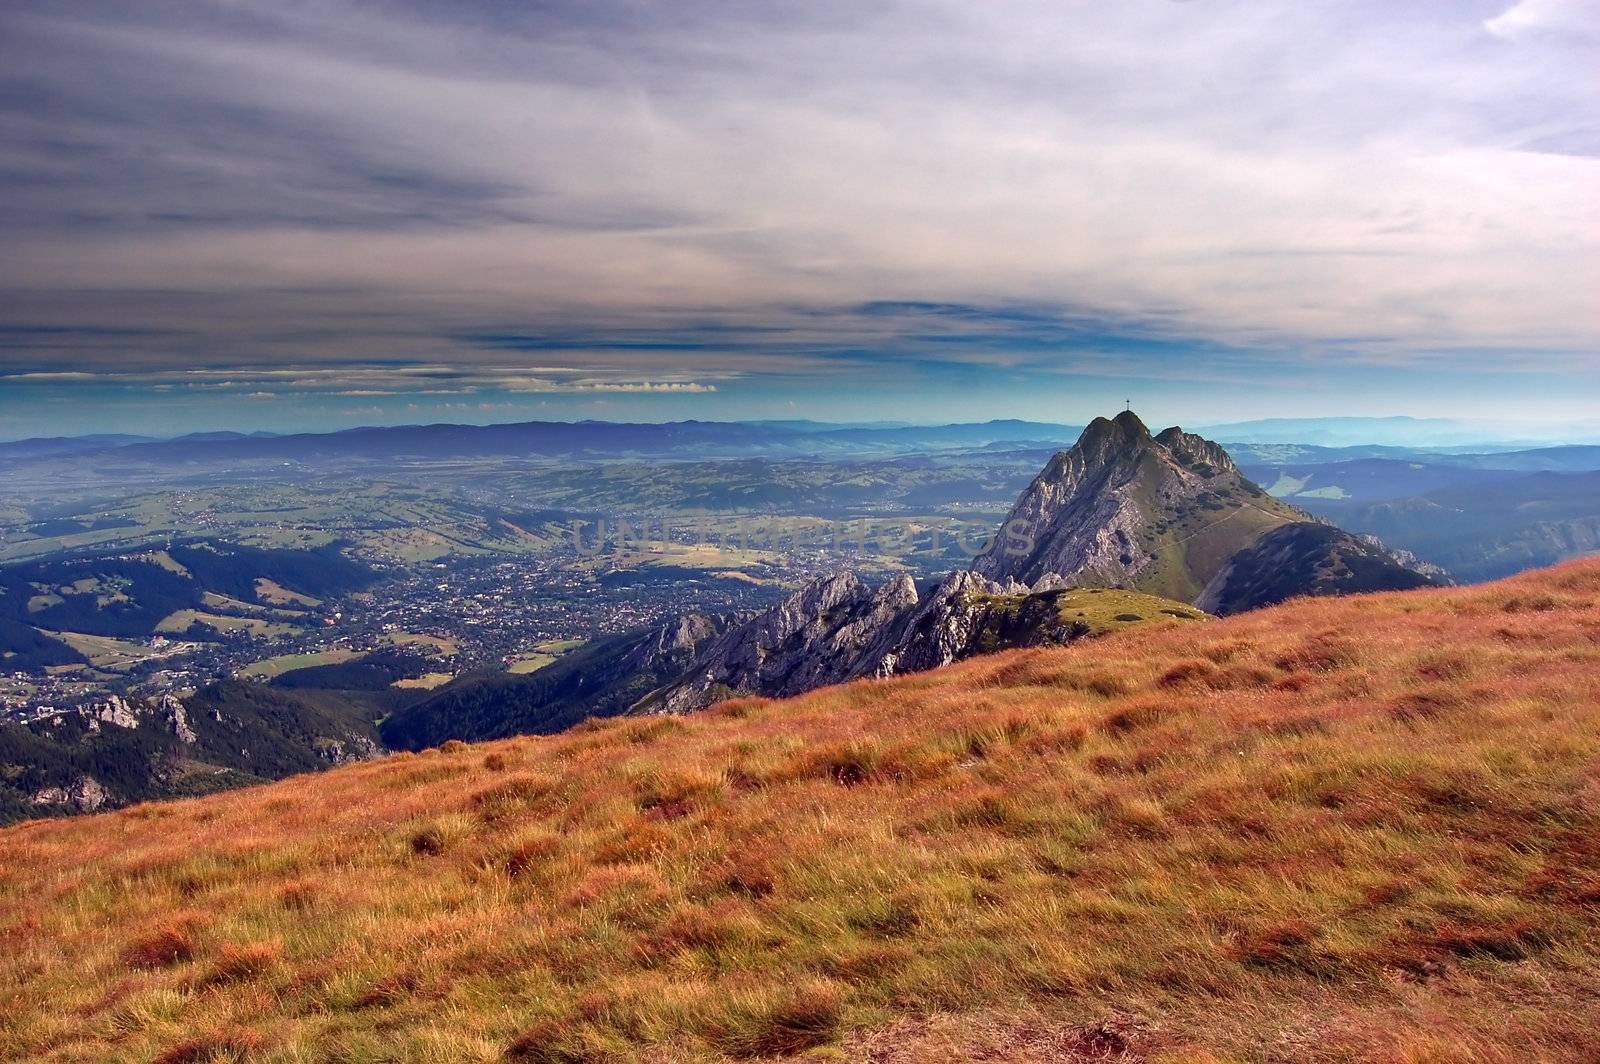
(1568, 17)
(681, 387)
(369, 381)
(663, 203)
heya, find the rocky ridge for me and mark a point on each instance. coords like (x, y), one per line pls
(839, 629)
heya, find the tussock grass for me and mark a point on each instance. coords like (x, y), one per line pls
(1356, 829)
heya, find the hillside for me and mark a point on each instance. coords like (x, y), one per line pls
(603, 679)
(102, 755)
(1305, 558)
(196, 585)
(1338, 829)
(1490, 530)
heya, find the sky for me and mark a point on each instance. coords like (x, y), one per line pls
(312, 214)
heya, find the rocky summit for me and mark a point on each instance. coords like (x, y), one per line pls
(1170, 515)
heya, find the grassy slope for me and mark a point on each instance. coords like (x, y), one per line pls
(1191, 545)
(1022, 620)
(1360, 829)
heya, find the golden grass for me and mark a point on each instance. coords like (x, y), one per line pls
(1361, 829)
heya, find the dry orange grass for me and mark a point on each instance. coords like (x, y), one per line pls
(1363, 829)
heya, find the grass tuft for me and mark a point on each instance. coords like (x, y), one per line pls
(162, 948)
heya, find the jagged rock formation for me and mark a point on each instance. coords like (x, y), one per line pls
(1168, 515)
(830, 631)
(838, 629)
(81, 794)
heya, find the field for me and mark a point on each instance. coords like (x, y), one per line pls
(270, 667)
(104, 652)
(426, 682)
(431, 643)
(529, 663)
(543, 654)
(278, 595)
(1338, 830)
(1105, 610)
(181, 621)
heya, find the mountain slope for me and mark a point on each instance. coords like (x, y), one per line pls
(1489, 530)
(131, 594)
(602, 679)
(1339, 829)
(1160, 514)
(111, 753)
(1304, 559)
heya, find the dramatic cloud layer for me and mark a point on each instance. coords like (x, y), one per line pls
(716, 199)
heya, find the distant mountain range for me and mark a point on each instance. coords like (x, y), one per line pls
(1408, 434)
(552, 439)
(1400, 432)
(50, 446)
(1328, 439)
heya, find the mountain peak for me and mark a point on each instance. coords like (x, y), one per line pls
(1121, 431)
(1129, 421)
(1124, 508)
(1196, 453)
(1171, 515)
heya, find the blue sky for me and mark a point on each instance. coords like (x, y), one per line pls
(320, 213)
